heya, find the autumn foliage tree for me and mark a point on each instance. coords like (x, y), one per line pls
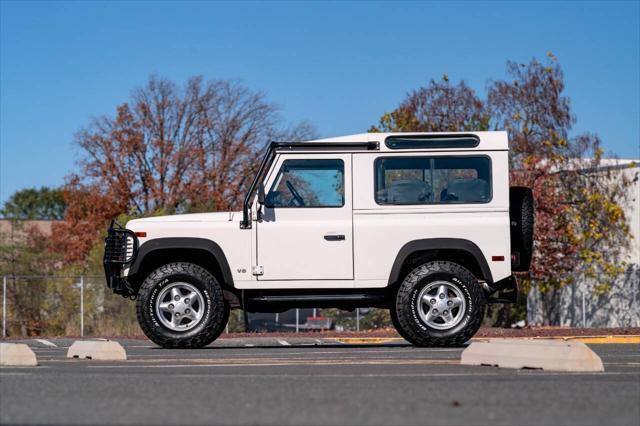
(170, 149)
(579, 214)
(439, 107)
(581, 226)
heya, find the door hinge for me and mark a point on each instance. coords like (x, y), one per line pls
(257, 270)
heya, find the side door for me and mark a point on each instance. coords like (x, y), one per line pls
(306, 231)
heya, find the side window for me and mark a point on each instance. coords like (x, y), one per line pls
(433, 180)
(308, 183)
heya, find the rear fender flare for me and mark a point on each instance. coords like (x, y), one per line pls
(439, 244)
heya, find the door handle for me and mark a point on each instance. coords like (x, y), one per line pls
(334, 237)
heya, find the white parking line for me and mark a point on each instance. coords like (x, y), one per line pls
(46, 343)
(284, 343)
(514, 373)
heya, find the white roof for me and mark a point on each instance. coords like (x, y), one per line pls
(496, 140)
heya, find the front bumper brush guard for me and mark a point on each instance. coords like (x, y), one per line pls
(118, 252)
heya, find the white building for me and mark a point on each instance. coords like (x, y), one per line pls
(579, 305)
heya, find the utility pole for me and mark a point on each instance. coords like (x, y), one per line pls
(81, 305)
(584, 312)
(4, 306)
(246, 320)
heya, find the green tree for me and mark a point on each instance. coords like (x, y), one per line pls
(31, 203)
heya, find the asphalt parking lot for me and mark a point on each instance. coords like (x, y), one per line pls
(311, 381)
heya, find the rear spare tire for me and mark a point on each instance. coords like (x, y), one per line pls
(521, 215)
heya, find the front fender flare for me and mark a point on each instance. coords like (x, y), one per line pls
(183, 243)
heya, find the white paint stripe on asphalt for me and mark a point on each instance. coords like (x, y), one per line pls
(623, 364)
(296, 356)
(277, 351)
(284, 343)
(396, 375)
(46, 342)
(532, 373)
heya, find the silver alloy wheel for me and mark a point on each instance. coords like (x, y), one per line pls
(180, 306)
(441, 305)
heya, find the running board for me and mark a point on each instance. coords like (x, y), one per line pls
(277, 302)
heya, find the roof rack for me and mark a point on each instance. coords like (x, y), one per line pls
(275, 147)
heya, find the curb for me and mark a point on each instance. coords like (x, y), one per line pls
(599, 340)
(17, 355)
(591, 340)
(543, 354)
(366, 340)
(101, 350)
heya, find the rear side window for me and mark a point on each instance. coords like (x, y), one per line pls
(433, 180)
(308, 183)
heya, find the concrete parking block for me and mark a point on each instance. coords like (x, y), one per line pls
(549, 355)
(17, 355)
(101, 350)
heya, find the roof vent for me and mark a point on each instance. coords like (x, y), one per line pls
(432, 141)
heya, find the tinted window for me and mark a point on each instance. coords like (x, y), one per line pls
(308, 183)
(433, 180)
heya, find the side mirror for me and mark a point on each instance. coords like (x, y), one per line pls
(261, 195)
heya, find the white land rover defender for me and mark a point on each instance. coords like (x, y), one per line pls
(422, 224)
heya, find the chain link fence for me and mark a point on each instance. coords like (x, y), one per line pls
(83, 305)
(64, 306)
(582, 305)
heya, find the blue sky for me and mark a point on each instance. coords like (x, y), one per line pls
(337, 65)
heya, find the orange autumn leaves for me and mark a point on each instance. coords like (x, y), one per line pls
(169, 149)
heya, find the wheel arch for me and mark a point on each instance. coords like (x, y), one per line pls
(200, 251)
(461, 251)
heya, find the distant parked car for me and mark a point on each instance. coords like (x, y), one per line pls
(319, 323)
(262, 325)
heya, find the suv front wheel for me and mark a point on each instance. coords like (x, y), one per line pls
(439, 304)
(181, 305)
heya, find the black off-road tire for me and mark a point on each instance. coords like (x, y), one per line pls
(211, 324)
(414, 329)
(396, 324)
(521, 216)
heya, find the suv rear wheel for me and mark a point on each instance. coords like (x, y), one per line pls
(439, 304)
(180, 305)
